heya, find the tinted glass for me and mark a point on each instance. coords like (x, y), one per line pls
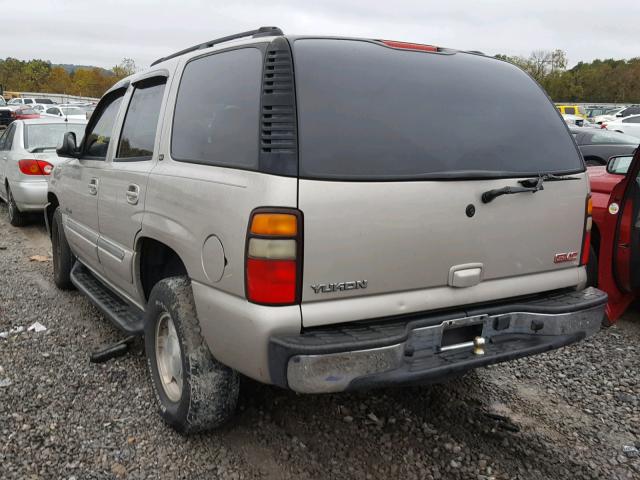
(28, 100)
(8, 141)
(53, 111)
(43, 100)
(141, 122)
(51, 135)
(569, 110)
(216, 120)
(372, 112)
(100, 135)
(631, 120)
(603, 137)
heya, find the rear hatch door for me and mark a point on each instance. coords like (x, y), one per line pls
(396, 149)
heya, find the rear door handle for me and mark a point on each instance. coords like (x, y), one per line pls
(93, 186)
(133, 193)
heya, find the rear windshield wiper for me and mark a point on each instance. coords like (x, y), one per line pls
(529, 185)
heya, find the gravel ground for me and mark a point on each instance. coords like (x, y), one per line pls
(566, 414)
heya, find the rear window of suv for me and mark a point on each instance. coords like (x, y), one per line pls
(368, 112)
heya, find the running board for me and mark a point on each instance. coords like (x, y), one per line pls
(126, 317)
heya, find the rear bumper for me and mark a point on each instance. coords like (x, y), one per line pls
(30, 196)
(368, 355)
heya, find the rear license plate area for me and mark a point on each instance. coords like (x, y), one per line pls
(463, 334)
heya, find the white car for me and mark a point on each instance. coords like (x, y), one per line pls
(578, 121)
(629, 125)
(69, 112)
(27, 157)
(30, 101)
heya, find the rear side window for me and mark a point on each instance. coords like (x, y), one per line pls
(569, 111)
(139, 130)
(631, 120)
(216, 119)
(368, 112)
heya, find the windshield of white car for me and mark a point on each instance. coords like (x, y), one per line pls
(44, 136)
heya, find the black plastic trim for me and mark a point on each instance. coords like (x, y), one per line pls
(278, 149)
(122, 314)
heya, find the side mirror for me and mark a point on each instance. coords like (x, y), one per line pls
(619, 165)
(69, 149)
(618, 115)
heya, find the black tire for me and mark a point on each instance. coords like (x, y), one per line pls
(16, 217)
(592, 268)
(63, 259)
(210, 390)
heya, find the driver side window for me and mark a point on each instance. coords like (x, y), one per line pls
(99, 135)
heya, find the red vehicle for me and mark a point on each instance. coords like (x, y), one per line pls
(614, 264)
(24, 113)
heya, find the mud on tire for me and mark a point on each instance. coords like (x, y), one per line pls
(209, 389)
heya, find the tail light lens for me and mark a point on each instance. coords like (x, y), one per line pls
(35, 167)
(273, 256)
(586, 237)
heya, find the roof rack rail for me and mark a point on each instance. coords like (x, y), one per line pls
(259, 32)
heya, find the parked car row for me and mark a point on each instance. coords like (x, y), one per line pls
(22, 108)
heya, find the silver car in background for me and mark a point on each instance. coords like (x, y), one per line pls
(27, 157)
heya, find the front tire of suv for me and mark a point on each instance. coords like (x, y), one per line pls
(16, 217)
(63, 259)
(193, 390)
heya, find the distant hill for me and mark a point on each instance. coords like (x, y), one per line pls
(70, 68)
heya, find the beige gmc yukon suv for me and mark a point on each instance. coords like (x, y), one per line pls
(324, 214)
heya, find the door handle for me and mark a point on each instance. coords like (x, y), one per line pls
(133, 193)
(93, 186)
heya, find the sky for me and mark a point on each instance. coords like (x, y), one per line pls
(102, 33)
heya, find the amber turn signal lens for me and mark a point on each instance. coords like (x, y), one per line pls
(589, 206)
(277, 224)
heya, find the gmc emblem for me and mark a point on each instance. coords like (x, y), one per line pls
(565, 257)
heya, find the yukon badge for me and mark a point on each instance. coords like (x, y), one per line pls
(339, 287)
(565, 257)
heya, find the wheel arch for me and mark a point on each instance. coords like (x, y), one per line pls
(155, 261)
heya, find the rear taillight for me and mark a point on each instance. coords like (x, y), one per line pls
(586, 237)
(409, 46)
(35, 167)
(273, 256)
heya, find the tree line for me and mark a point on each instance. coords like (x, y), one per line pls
(603, 81)
(41, 76)
(599, 81)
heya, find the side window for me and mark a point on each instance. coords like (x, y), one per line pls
(217, 114)
(53, 111)
(99, 134)
(8, 137)
(141, 121)
(569, 110)
(631, 120)
(28, 101)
